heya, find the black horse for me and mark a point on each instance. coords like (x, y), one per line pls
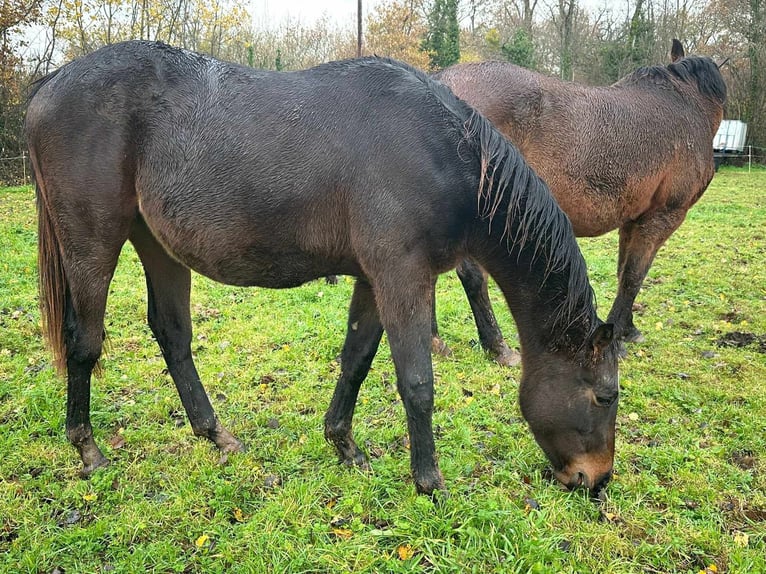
(365, 168)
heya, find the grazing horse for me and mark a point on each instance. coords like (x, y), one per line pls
(364, 167)
(634, 156)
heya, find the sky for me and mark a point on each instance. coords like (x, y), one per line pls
(274, 12)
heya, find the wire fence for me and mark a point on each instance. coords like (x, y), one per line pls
(15, 170)
(749, 157)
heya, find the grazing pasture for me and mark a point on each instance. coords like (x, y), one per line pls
(689, 491)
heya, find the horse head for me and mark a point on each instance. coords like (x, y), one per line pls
(571, 408)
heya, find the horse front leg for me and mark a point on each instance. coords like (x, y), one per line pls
(362, 341)
(405, 316)
(639, 242)
(476, 288)
(168, 285)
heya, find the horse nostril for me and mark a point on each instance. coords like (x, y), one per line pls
(600, 485)
(577, 480)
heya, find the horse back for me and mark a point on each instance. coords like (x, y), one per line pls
(608, 154)
(254, 177)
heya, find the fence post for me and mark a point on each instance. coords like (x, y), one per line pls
(749, 157)
(24, 165)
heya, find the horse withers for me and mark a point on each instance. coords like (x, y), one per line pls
(634, 156)
(261, 178)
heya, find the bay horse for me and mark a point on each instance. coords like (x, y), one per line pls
(634, 156)
(363, 167)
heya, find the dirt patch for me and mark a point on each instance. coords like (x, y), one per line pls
(744, 459)
(740, 339)
(740, 514)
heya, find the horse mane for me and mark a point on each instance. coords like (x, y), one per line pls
(533, 219)
(691, 69)
(705, 72)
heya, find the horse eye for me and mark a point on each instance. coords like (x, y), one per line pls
(605, 400)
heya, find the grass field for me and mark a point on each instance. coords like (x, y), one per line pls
(689, 493)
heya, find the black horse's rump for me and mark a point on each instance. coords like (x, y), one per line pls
(362, 167)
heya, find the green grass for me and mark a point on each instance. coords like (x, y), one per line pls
(690, 488)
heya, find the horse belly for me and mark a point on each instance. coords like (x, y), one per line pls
(232, 246)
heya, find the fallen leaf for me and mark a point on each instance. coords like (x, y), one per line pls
(202, 541)
(405, 552)
(117, 441)
(239, 516)
(90, 497)
(741, 539)
(633, 417)
(605, 516)
(343, 533)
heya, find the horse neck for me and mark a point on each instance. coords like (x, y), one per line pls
(553, 308)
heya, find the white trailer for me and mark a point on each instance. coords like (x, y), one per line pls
(729, 140)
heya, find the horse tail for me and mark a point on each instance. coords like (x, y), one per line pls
(52, 281)
(35, 86)
(53, 284)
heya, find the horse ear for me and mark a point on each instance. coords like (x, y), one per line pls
(602, 337)
(676, 50)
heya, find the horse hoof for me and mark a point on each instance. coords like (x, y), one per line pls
(88, 469)
(439, 347)
(357, 460)
(507, 357)
(233, 445)
(633, 335)
(431, 485)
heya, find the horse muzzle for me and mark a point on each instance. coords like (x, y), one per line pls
(587, 473)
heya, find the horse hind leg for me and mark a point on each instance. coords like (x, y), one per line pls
(83, 338)
(76, 263)
(362, 340)
(168, 285)
(476, 288)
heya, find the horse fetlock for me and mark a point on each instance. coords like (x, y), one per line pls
(81, 437)
(505, 356)
(223, 439)
(349, 454)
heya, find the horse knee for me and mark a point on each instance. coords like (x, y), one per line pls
(418, 399)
